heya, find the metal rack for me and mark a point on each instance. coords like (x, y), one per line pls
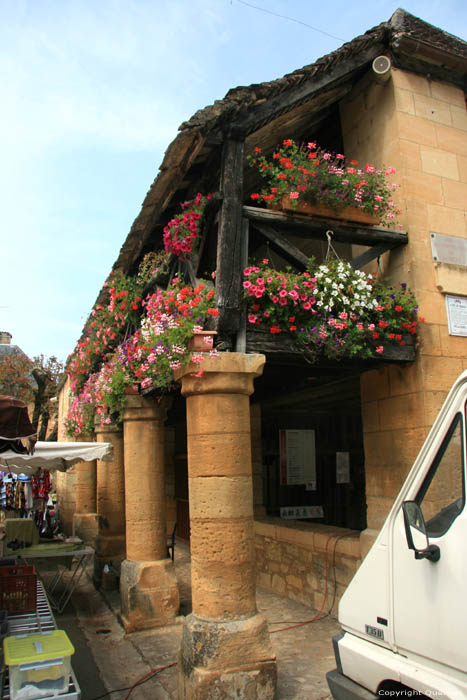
(40, 621)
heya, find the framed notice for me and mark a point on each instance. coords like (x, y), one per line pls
(456, 308)
(342, 467)
(298, 458)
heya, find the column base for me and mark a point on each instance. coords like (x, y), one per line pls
(149, 594)
(226, 660)
(86, 527)
(110, 549)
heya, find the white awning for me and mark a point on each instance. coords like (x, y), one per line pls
(55, 456)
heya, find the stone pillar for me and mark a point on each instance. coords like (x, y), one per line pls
(148, 586)
(226, 650)
(85, 515)
(110, 540)
(65, 485)
(257, 460)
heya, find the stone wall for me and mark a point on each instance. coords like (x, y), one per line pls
(418, 126)
(292, 560)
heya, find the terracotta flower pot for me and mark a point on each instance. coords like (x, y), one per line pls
(132, 389)
(319, 210)
(202, 341)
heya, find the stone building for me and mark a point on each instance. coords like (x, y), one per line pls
(407, 110)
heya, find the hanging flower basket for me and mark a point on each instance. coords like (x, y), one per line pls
(352, 214)
(202, 341)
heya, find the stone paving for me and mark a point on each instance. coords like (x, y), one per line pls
(304, 654)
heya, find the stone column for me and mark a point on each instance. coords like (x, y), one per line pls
(148, 586)
(85, 515)
(257, 460)
(110, 540)
(226, 650)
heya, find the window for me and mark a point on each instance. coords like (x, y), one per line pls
(441, 496)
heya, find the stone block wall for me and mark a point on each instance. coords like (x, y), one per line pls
(292, 560)
(418, 126)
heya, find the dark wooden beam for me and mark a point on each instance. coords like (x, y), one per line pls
(369, 255)
(345, 387)
(313, 227)
(229, 244)
(282, 346)
(287, 99)
(288, 250)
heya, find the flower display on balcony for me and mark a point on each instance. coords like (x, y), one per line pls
(306, 172)
(147, 357)
(331, 310)
(181, 235)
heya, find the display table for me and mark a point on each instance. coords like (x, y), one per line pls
(63, 558)
(21, 529)
(40, 621)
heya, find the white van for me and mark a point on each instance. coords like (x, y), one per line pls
(404, 614)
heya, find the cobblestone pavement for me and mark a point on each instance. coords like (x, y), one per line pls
(304, 654)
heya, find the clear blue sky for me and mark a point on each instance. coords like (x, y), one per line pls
(93, 93)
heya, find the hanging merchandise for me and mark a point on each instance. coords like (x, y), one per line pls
(41, 484)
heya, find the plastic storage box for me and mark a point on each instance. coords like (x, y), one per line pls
(39, 664)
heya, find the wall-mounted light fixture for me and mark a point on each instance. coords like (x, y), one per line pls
(381, 68)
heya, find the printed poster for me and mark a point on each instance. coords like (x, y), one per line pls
(298, 458)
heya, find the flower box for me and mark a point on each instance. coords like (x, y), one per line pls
(306, 172)
(352, 214)
(132, 389)
(202, 341)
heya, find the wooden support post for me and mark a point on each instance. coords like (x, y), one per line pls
(229, 245)
(240, 345)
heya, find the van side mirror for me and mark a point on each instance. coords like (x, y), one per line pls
(415, 531)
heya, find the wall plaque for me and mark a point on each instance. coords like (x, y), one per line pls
(456, 308)
(449, 249)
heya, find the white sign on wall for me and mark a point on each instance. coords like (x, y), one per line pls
(342, 467)
(298, 458)
(456, 308)
(449, 249)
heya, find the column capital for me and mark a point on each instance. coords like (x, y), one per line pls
(142, 408)
(230, 373)
(103, 428)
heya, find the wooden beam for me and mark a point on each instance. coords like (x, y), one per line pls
(240, 344)
(287, 99)
(289, 251)
(313, 227)
(229, 244)
(260, 340)
(345, 388)
(369, 255)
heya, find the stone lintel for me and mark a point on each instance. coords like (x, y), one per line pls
(226, 659)
(149, 594)
(231, 373)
